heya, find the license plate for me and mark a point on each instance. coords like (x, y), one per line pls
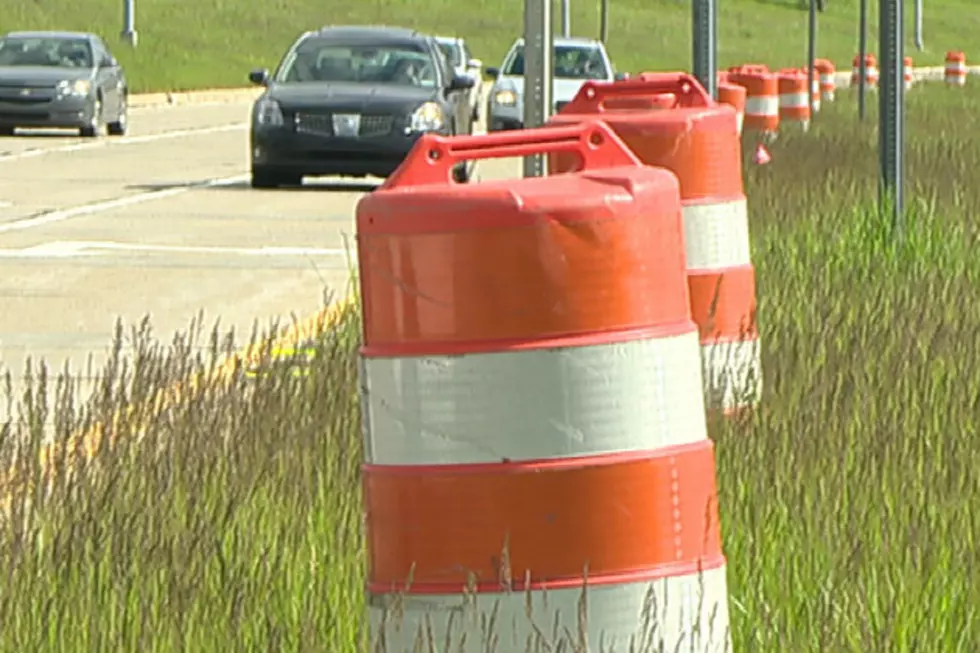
(346, 124)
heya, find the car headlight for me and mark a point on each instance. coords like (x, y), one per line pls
(74, 87)
(268, 113)
(428, 117)
(505, 98)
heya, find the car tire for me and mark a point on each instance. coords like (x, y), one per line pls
(461, 174)
(121, 124)
(7, 131)
(92, 130)
(262, 178)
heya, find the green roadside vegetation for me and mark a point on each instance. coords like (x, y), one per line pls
(846, 499)
(212, 43)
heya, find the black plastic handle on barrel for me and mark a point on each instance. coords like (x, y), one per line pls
(433, 158)
(594, 95)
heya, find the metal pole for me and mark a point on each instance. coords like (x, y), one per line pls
(918, 25)
(538, 57)
(811, 54)
(705, 44)
(604, 21)
(891, 127)
(862, 53)
(566, 18)
(129, 22)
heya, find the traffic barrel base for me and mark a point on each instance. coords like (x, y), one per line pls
(628, 612)
(533, 402)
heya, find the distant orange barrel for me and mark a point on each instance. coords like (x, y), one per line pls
(794, 101)
(956, 68)
(751, 68)
(870, 71)
(733, 95)
(761, 97)
(828, 79)
(533, 409)
(908, 73)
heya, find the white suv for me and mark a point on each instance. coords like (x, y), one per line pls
(576, 60)
(458, 55)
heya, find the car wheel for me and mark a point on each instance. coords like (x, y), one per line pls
(92, 130)
(262, 178)
(461, 174)
(6, 131)
(119, 127)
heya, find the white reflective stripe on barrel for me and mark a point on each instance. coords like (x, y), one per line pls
(765, 105)
(732, 373)
(535, 403)
(683, 613)
(716, 235)
(793, 101)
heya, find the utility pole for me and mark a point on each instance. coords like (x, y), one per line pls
(704, 22)
(537, 74)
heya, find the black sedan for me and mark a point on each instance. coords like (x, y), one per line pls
(61, 80)
(351, 102)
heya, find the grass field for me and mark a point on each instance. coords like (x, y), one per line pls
(643, 34)
(846, 499)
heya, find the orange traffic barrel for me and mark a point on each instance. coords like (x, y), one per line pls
(534, 418)
(956, 69)
(761, 97)
(870, 71)
(734, 96)
(794, 101)
(697, 140)
(907, 73)
(828, 79)
(750, 68)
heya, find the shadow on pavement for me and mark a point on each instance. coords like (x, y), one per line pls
(315, 185)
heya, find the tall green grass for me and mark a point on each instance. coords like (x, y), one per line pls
(235, 523)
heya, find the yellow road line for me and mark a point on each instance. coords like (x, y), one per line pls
(65, 454)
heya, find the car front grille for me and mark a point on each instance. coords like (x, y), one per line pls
(318, 124)
(321, 124)
(25, 94)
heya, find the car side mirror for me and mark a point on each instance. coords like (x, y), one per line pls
(474, 63)
(621, 77)
(109, 62)
(259, 77)
(461, 83)
(492, 73)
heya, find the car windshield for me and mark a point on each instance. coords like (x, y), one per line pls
(45, 51)
(322, 60)
(570, 62)
(453, 52)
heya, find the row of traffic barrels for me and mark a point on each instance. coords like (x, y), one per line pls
(766, 99)
(538, 358)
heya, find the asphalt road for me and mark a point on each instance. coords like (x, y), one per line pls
(159, 223)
